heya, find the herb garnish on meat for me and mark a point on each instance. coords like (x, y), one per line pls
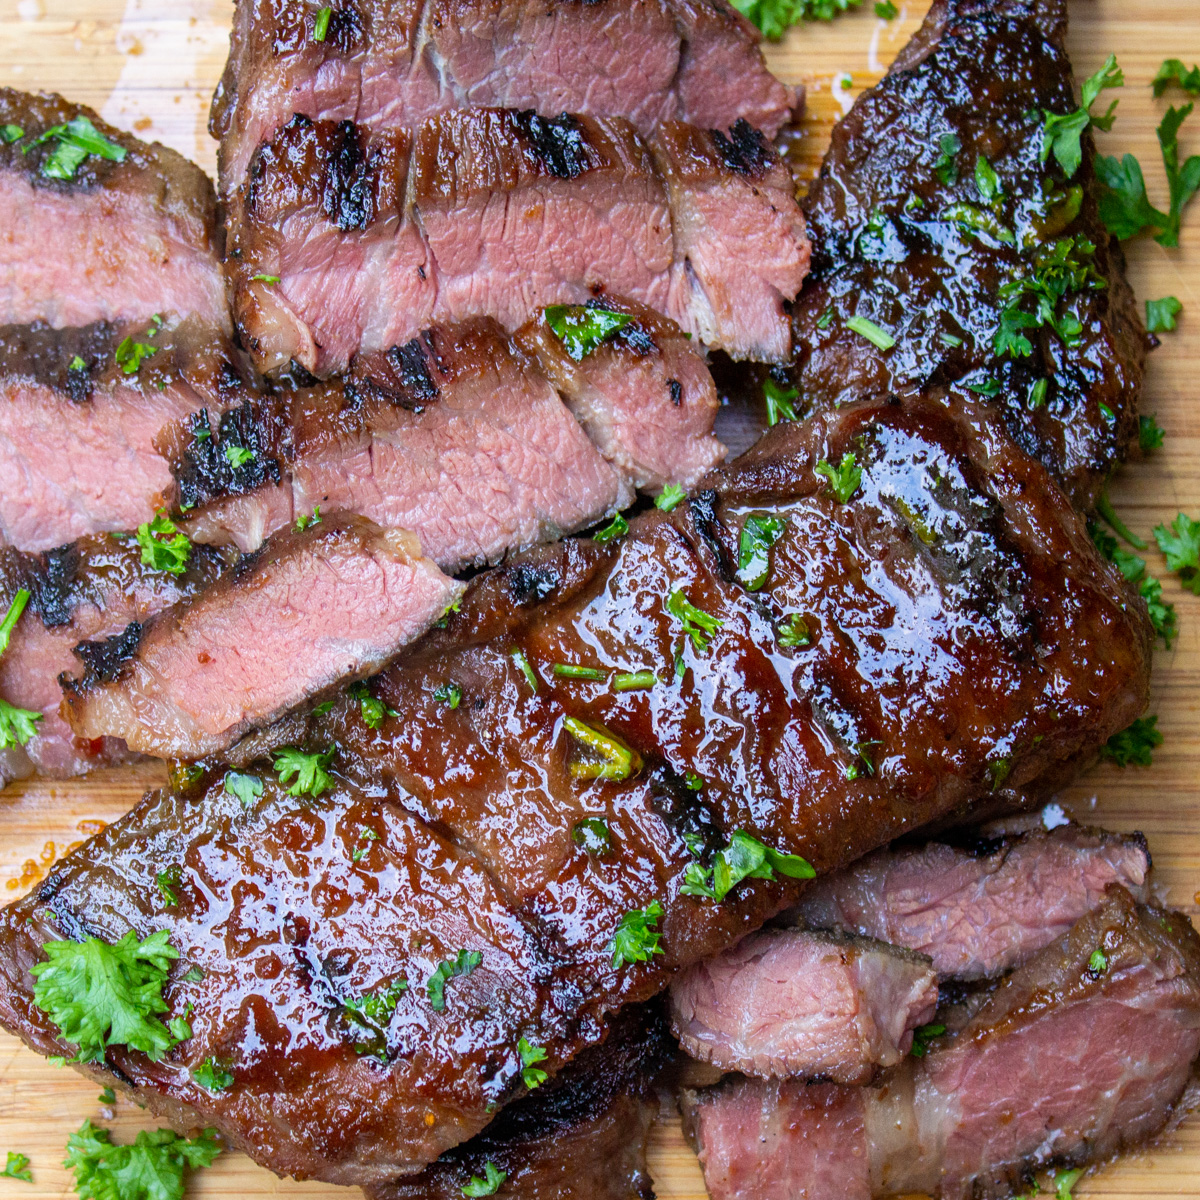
(77, 139)
(581, 328)
(164, 546)
(744, 858)
(1135, 744)
(637, 937)
(308, 770)
(759, 534)
(533, 1075)
(844, 479)
(487, 1186)
(17, 725)
(466, 962)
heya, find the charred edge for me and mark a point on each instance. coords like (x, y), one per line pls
(744, 150)
(529, 585)
(844, 721)
(637, 339)
(676, 390)
(347, 30)
(403, 380)
(685, 810)
(54, 587)
(349, 196)
(205, 472)
(703, 509)
(104, 661)
(559, 144)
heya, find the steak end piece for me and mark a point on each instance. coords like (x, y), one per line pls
(308, 612)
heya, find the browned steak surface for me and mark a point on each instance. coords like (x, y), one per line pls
(395, 63)
(1079, 1054)
(798, 1002)
(80, 412)
(910, 233)
(312, 610)
(581, 1136)
(999, 634)
(979, 909)
(345, 239)
(110, 241)
(92, 588)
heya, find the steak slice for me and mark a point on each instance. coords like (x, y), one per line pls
(906, 239)
(452, 436)
(113, 241)
(93, 588)
(813, 1004)
(581, 1136)
(346, 239)
(311, 611)
(531, 816)
(1078, 1055)
(80, 410)
(979, 909)
(395, 63)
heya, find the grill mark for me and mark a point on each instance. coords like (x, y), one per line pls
(54, 588)
(685, 810)
(558, 144)
(400, 377)
(203, 471)
(703, 511)
(104, 661)
(743, 150)
(348, 195)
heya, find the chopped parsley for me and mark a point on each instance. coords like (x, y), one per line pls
(238, 456)
(617, 527)
(844, 480)
(375, 1008)
(260, 278)
(247, 788)
(152, 1168)
(1062, 131)
(973, 219)
(1161, 314)
(759, 534)
(922, 1036)
(522, 663)
(489, 1185)
(308, 771)
(211, 1076)
(862, 764)
(670, 497)
(107, 1096)
(1135, 744)
(885, 10)
(985, 387)
(1150, 434)
(77, 139)
(987, 182)
(130, 355)
(1098, 962)
(164, 546)
(532, 1074)
(168, 881)
(582, 328)
(744, 858)
(17, 725)
(879, 338)
(77, 364)
(303, 523)
(11, 133)
(780, 401)
(633, 681)
(101, 994)
(697, 624)
(17, 1166)
(1173, 71)
(372, 710)
(776, 17)
(793, 631)
(573, 671)
(463, 965)
(367, 835)
(1180, 544)
(1037, 393)
(593, 834)
(449, 694)
(637, 937)
(1133, 568)
(608, 757)
(1064, 1182)
(945, 166)
(321, 24)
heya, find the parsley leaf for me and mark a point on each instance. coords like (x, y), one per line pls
(944, 166)
(922, 1036)
(164, 546)
(1098, 962)
(449, 694)
(238, 456)
(130, 355)
(487, 1186)
(247, 788)
(1180, 543)
(167, 882)
(593, 834)
(670, 497)
(1063, 1183)
(616, 528)
(11, 133)
(100, 994)
(885, 10)
(697, 624)
(375, 1009)
(581, 328)
(77, 139)
(1058, 270)
(759, 534)
(793, 631)
(844, 480)
(152, 1168)
(780, 401)
(1135, 744)
(637, 938)
(303, 523)
(463, 965)
(609, 757)
(1062, 131)
(775, 17)
(1173, 71)
(1161, 314)
(1133, 568)
(987, 182)
(878, 338)
(533, 1075)
(17, 1167)
(1150, 434)
(211, 1076)
(744, 858)
(321, 24)
(372, 710)
(308, 770)
(17, 725)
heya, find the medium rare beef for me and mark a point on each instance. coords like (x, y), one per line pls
(581, 1136)
(979, 909)
(91, 589)
(1079, 1054)
(393, 65)
(312, 610)
(452, 436)
(344, 239)
(80, 410)
(936, 218)
(547, 820)
(798, 1002)
(116, 236)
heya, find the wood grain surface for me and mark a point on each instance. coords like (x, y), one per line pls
(150, 65)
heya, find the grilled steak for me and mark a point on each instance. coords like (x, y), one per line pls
(1081, 1053)
(581, 1136)
(794, 1002)
(914, 235)
(394, 65)
(345, 239)
(91, 589)
(979, 910)
(529, 816)
(80, 410)
(310, 611)
(100, 239)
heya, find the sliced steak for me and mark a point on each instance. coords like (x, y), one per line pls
(581, 1136)
(311, 611)
(979, 909)
(907, 237)
(452, 436)
(91, 589)
(1078, 1055)
(394, 65)
(80, 410)
(101, 239)
(813, 1004)
(344, 239)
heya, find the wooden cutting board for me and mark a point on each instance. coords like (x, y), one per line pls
(151, 65)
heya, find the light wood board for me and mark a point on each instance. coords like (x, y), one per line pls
(151, 65)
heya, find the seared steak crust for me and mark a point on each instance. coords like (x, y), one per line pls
(906, 238)
(116, 241)
(999, 634)
(390, 64)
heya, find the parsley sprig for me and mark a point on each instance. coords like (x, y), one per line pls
(1135, 744)
(77, 139)
(776, 17)
(1180, 543)
(581, 328)
(459, 967)
(1133, 568)
(844, 479)
(308, 770)
(533, 1075)
(489, 1185)
(1062, 131)
(637, 937)
(152, 1168)
(744, 858)
(17, 1167)
(697, 624)
(164, 546)
(759, 534)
